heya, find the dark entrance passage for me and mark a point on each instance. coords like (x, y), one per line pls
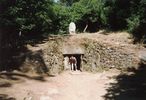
(78, 58)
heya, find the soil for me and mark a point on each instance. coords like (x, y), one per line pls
(66, 86)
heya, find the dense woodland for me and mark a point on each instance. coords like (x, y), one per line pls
(24, 20)
(53, 17)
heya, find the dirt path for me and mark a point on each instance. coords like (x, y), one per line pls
(83, 86)
(67, 86)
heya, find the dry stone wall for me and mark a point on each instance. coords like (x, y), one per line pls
(98, 56)
(53, 57)
(46, 59)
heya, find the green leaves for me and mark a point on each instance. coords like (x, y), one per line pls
(93, 12)
(133, 23)
(46, 16)
(28, 15)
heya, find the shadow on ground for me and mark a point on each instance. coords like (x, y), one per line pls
(129, 86)
(16, 76)
(13, 47)
(7, 79)
(6, 97)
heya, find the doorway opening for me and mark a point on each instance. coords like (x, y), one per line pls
(78, 58)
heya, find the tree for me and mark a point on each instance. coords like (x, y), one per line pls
(27, 15)
(67, 2)
(61, 19)
(136, 22)
(91, 13)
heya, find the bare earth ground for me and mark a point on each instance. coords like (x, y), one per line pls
(74, 85)
(67, 86)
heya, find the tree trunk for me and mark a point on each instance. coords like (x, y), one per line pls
(85, 28)
(0, 48)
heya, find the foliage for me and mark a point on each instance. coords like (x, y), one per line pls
(127, 15)
(67, 2)
(137, 20)
(27, 15)
(90, 12)
(61, 19)
(133, 22)
(34, 18)
(46, 16)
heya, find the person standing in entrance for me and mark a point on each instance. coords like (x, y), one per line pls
(73, 63)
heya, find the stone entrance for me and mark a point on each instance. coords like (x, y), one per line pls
(75, 51)
(78, 58)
